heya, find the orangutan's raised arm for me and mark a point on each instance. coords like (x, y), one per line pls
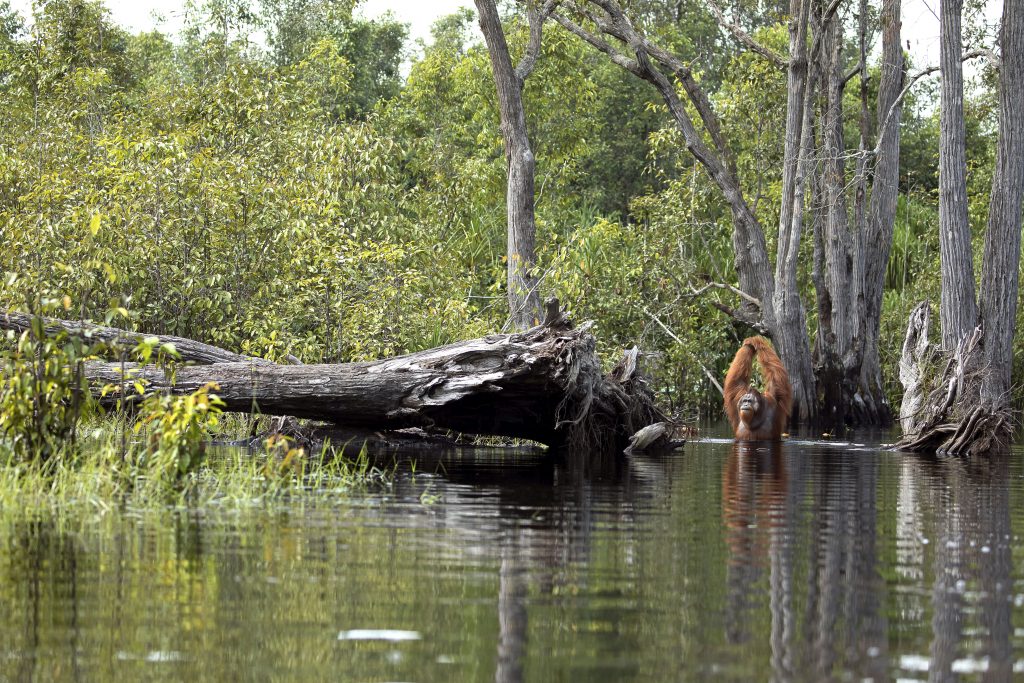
(776, 380)
(754, 416)
(737, 382)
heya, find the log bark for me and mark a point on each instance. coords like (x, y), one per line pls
(189, 350)
(545, 385)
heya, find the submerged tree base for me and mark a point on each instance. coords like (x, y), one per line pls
(544, 384)
(943, 412)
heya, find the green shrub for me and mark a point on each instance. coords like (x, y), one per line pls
(176, 430)
(43, 390)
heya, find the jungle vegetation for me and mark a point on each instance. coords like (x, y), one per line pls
(286, 177)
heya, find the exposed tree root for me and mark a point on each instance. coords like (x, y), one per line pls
(943, 412)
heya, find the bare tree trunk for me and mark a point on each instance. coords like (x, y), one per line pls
(523, 299)
(796, 88)
(850, 258)
(965, 408)
(787, 306)
(958, 311)
(779, 311)
(839, 362)
(999, 275)
(843, 250)
(881, 214)
(860, 200)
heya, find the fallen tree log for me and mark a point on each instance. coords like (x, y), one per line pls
(189, 350)
(545, 385)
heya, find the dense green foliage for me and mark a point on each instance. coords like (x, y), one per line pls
(297, 195)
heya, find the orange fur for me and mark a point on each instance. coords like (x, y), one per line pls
(771, 409)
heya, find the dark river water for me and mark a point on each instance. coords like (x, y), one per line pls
(809, 561)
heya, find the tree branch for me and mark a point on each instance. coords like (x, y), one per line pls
(741, 316)
(745, 38)
(679, 341)
(735, 290)
(188, 349)
(617, 57)
(618, 26)
(849, 75)
(749, 245)
(831, 10)
(536, 18)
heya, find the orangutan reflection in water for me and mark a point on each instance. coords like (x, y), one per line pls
(753, 507)
(831, 617)
(753, 498)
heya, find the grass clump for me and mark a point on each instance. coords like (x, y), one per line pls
(97, 474)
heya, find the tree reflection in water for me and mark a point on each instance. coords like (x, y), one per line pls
(953, 523)
(969, 503)
(802, 561)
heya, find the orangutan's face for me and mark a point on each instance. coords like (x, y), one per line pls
(750, 406)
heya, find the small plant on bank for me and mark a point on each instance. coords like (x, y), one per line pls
(177, 429)
(285, 459)
(43, 390)
(44, 397)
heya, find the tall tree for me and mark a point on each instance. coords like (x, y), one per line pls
(523, 299)
(881, 210)
(999, 274)
(757, 286)
(853, 249)
(958, 310)
(770, 300)
(966, 410)
(839, 283)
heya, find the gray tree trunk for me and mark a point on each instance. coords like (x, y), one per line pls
(788, 308)
(851, 257)
(780, 311)
(848, 258)
(999, 275)
(881, 213)
(523, 298)
(838, 321)
(966, 407)
(796, 89)
(958, 312)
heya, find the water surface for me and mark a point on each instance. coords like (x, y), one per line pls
(809, 561)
